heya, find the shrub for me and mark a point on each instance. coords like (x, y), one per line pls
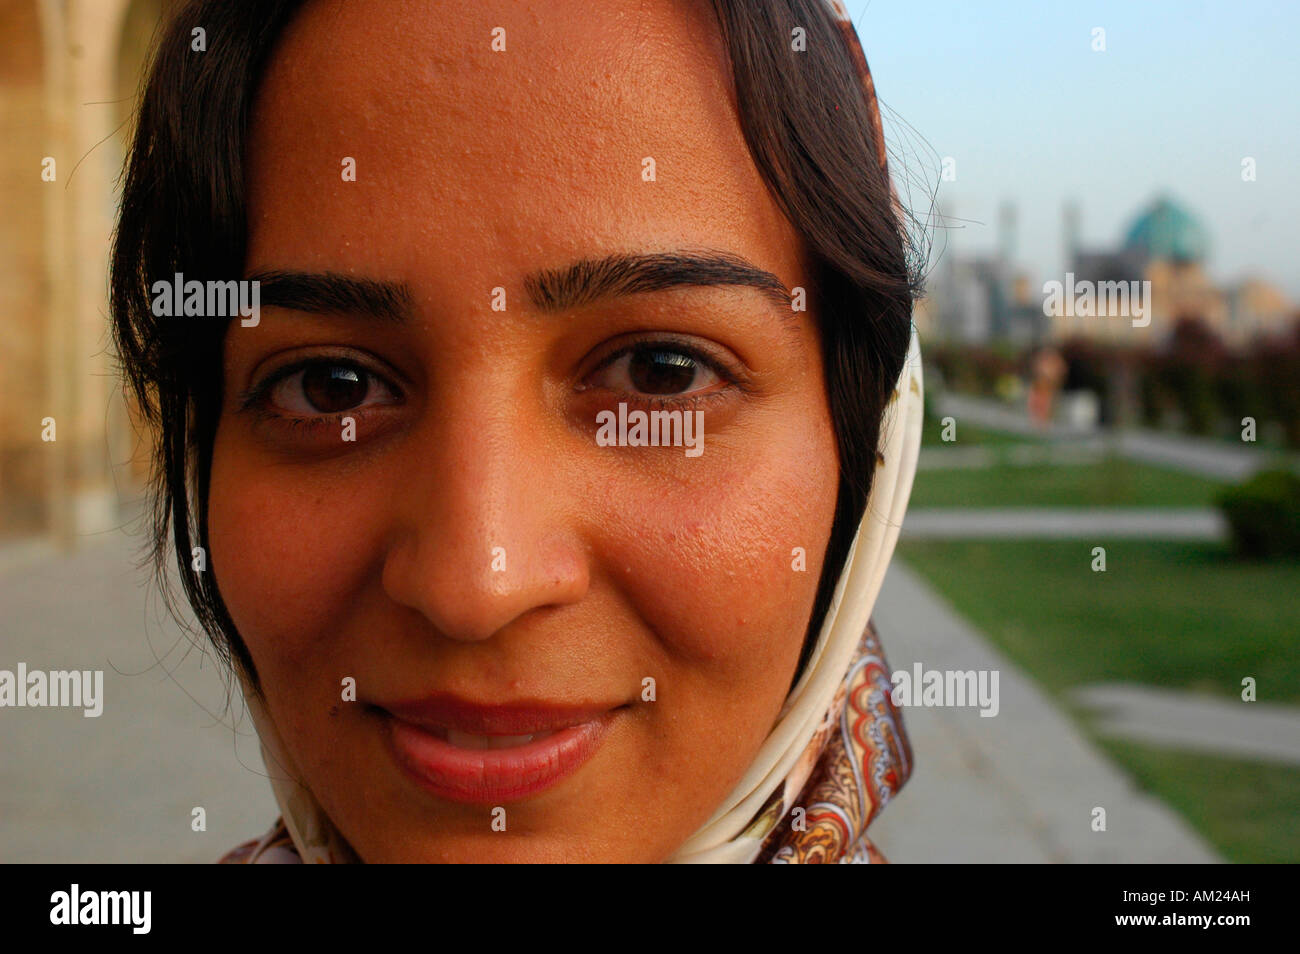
(1278, 378)
(1263, 514)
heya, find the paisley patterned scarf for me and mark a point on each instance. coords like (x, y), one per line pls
(838, 751)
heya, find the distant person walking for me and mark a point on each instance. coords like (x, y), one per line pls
(1047, 375)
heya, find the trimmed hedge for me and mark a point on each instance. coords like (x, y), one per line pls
(1193, 382)
(1263, 514)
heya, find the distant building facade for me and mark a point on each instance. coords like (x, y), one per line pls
(1167, 246)
(973, 300)
(989, 298)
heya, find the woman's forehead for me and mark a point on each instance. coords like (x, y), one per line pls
(500, 129)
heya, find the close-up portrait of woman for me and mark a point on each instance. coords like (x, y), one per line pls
(550, 432)
(536, 405)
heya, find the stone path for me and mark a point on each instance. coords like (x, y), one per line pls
(1209, 458)
(1185, 720)
(1018, 787)
(120, 787)
(1080, 523)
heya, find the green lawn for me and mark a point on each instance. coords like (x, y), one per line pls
(970, 435)
(1113, 482)
(1249, 810)
(1177, 614)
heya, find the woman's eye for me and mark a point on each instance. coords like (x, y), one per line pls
(328, 387)
(657, 371)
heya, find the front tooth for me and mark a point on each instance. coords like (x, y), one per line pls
(467, 740)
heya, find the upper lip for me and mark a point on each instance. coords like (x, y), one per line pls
(446, 711)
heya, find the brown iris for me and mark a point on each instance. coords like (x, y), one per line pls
(333, 387)
(661, 372)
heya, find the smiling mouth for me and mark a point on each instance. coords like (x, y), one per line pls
(465, 752)
(467, 740)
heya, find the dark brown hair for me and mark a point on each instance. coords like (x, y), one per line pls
(806, 119)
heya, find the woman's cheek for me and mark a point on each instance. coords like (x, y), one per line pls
(725, 566)
(287, 552)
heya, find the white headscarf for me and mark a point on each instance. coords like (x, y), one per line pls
(724, 838)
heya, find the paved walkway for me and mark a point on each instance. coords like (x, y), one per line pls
(1185, 720)
(1018, 787)
(1025, 523)
(120, 787)
(1209, 458)
(997, 416)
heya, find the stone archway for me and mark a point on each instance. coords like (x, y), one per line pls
(24, 300)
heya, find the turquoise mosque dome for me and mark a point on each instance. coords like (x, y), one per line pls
(1166, 230)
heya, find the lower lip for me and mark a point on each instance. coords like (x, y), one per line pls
(493, 775)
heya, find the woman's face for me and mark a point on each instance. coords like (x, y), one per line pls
(498, 582)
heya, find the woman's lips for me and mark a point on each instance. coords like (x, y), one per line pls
(492, 754)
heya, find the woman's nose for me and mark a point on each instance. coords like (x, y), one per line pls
(481, 535)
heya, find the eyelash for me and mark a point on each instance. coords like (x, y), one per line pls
(732, 379)
(257, 397)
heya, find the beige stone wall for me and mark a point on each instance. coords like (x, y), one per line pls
(24, 306)
(69, 70)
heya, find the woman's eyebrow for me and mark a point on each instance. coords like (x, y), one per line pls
(625, 274)
(331, 293)
(551, 290)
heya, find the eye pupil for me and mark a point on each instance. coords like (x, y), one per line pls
(333, 387)
(661, 372)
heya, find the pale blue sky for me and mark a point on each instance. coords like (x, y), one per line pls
(1013, 91)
